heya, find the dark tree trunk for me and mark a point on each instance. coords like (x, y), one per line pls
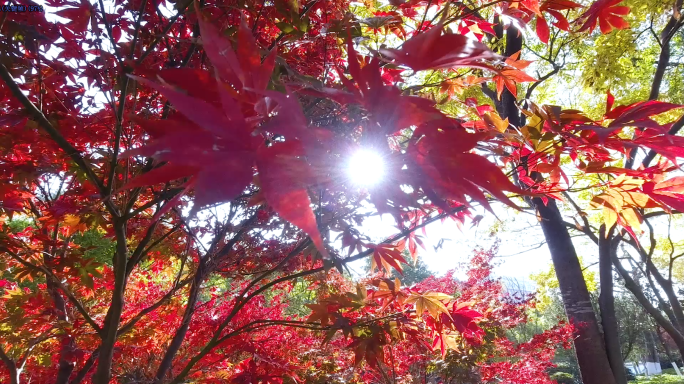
(589, 347)
(652, 353)
(113, 317)
(10, 366)
(668, 352)
(668, 288)
(65, 367)
(179, 336)
(590, 350)
(611, 334)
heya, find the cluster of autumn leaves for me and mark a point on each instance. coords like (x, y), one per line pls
(231, 123)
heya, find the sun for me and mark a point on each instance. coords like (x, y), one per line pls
(366, 168)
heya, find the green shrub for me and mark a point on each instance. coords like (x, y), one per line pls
(563, 378)
(659, 379)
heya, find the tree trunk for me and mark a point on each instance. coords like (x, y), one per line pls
(633, 287)
(589, 347)
(607, 304)
(179, 336)
(113, 318)
(65, 367)
(652, 354)
(668, 352)
(11, 367)
(668, 288)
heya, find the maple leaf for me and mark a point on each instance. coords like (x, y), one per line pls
(464, 320)
(369, 349)
(494, 120)
(434, 50)
(431, 302)
(284, 176)
(243, 68)
(79, 17)
(12, 198)
(388, 21)
(387, 256)
(387, 107)
(607, 13)
(637, 114)
(449, 170)
(459, 84)
(511, 74)
(217, 175)
(669, 146)
(216, 149)
(542, 29)
(414, 241)
(73, 224)
(553, 7)
(620, 202)
(321, 313)
(388, 291)
(669, 192)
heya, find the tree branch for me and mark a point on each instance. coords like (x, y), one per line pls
(44, 123)
(11, 366)
(67, 292)
(240, 304)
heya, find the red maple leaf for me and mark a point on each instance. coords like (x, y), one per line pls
(215, 147)
(511, 74)
(607, 14)
(553, 8)
(434, 50)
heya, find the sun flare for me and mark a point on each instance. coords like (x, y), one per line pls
(366, 168)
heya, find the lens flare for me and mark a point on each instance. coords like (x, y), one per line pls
(366, 168)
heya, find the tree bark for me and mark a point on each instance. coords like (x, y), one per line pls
(668, 352)
(11, 367)
(589, 347)
(179, 336)
(668, 288)
(113, 318)
(64, 366)
(607, 305)
(651, 350)
(666, 35)
(675, 311)
(591, 352)
(673, 24)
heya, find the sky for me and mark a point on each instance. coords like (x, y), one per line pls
(522, 250)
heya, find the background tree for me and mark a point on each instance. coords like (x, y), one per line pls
(411, 273)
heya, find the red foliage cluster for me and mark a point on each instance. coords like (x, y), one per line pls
(170, 178)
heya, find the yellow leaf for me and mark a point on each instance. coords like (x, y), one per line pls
(451, 342)
(605, 200)
(627, 184)
(71, 221)
(493, 119)
(609, 217)
(430, 302)
(632, 219)
(636, 199)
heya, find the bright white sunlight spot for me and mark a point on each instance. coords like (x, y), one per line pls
(366, 168)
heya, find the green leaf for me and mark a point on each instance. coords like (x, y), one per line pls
(285, 27)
